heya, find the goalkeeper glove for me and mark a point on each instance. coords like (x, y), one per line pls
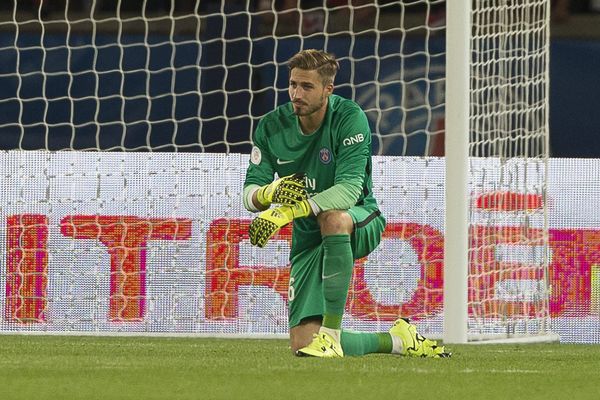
(288, 190)
(269, 222)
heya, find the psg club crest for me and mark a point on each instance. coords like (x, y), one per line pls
(325, 155)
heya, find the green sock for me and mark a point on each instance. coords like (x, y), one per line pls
(361, 343)
(337, 273)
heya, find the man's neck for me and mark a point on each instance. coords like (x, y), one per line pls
(309, 124)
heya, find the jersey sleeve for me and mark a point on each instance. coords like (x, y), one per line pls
(260, 167)
(353, 149)
(338, 197)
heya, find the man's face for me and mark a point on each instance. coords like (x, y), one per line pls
(307, 92)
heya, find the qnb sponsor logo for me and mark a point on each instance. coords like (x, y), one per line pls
(359, 137)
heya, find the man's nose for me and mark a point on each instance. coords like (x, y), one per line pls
(297, 93)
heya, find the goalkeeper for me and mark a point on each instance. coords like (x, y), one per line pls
(319, 145)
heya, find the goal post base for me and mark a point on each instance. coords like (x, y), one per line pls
(514, 339)
(504, 339)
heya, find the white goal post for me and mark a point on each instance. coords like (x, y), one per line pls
(126, 128)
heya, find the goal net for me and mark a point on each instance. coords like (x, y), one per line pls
(508, 144)
(126, 128)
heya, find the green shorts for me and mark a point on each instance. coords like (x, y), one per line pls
(306, 286)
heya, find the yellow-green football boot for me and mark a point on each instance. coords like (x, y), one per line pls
(413, 343)
(322, 345)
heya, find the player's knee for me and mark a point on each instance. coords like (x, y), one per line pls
(335, 222)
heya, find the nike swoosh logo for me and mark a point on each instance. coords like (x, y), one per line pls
(323, 276)
(281, 162)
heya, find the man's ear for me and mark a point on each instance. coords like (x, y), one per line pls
(329, 89)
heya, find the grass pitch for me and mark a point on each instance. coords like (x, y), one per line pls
(50, 367)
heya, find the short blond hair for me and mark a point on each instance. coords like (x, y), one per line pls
(311, 59)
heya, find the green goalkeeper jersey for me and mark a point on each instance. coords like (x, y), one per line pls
(338, 153)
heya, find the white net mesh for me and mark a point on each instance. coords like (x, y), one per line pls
(509, 252)
(119, 242)
(134, 76)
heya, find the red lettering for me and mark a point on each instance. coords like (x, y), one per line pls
(126, 239)
(509, 201)
(224, 274)
(427, 299)
(574, 252)
(26, 268)
(485, 270)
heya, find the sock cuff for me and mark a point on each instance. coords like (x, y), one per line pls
(336, 334)
(332, 321)
(397, 345)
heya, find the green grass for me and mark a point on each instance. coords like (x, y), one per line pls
(50, 367)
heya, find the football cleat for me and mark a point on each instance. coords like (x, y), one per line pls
(322, 345)
(414, 344)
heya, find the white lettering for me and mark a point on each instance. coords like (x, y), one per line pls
(359, 137)
(291, 290)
